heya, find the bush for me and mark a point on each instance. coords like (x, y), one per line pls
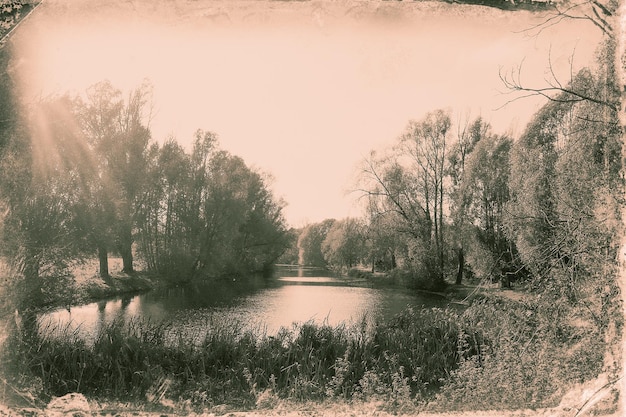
(528, 357)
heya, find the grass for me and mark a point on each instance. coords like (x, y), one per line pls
(496, 354)
(400, 360)
(529, 357)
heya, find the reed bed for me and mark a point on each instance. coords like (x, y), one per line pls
(492, 355)
(402, 359)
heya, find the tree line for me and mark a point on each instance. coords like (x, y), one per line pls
(81, 177)
(452, 200)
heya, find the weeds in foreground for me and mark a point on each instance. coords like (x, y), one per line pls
(401, 360)
(492, 355)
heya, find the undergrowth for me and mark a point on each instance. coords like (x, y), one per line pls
(494, 354)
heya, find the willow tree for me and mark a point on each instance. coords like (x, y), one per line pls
(310, 243)
(42, 172)
(468, 135)
(117, 130)
(409, 183)
(609, 17)
(163, 212)
(344, 246)
(425, 145)
(207, 214)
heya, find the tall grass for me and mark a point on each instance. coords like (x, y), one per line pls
(492, 355)
(531, 354)
(400, 360)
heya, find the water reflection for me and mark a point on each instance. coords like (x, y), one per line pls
(293, 295)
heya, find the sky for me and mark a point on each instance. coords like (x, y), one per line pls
(301, 91)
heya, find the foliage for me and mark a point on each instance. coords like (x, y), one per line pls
(80, 177)
(531, 354)
(408, 184)
(343, 246)
(564, 207)
(207, 214)
(11, 11)
(310, 243)
(384, 244)
(486, 192)
(118, 134)
(39, 187)
(497, 354)
(291, 254)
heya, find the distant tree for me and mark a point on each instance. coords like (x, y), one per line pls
(310, 243)
(290, 256)
(344, 245)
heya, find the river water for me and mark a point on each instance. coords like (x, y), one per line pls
(293, 295)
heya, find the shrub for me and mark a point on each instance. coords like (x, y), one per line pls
(528, 356)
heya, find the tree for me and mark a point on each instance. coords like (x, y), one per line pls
(310, 243)
(263, 235)
(410, 184)
(486, 192)
(290, 256)
(42, 172)
(609, 17)
(382, 241)
(207, 214)
(343, 246)
(163, 210)
(468, 135)
(564, 176)
(118, 133)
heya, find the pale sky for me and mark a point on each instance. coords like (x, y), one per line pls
(302, 91)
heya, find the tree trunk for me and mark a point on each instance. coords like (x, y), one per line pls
(441, 237)
(127, 259)
(459, 272)
(125, 248)
(103, 258)
(620, 56)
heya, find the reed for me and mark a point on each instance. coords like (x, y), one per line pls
(494, 354)
(400, 359)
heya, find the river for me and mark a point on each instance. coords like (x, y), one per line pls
(293, 295)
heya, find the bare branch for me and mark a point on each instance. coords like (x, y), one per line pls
(554, 92)
(576, 11)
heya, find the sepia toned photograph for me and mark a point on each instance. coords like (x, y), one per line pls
(312, 208)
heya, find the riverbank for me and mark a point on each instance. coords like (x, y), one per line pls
(495, 354)
(96, 289)
(461, 294)
(84, 284)
(77, 405)
(505, 349)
